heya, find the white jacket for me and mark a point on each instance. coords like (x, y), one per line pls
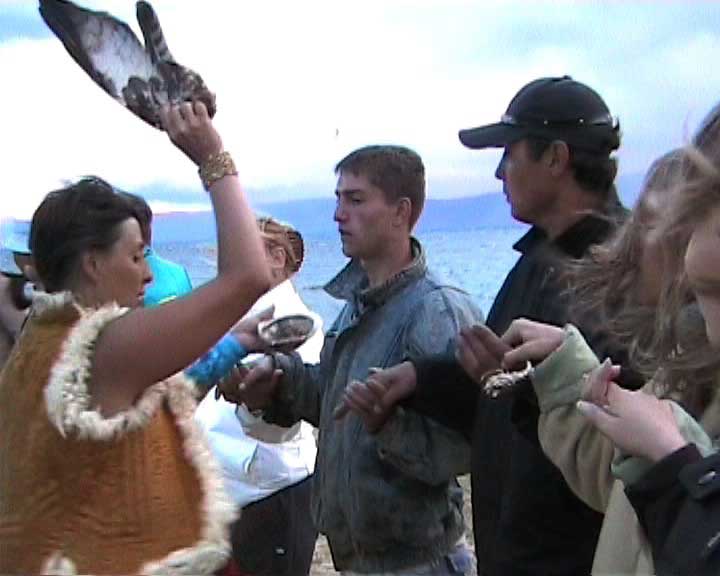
(257, 458)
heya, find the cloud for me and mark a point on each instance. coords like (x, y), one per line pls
(300, 84)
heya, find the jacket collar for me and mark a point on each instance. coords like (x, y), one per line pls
(572, 241)
(351, 283)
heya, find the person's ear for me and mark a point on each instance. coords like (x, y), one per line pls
(558, 157)
(278, 257)
(91, 265)
(403, 211)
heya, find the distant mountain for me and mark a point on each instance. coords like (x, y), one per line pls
(315, 216)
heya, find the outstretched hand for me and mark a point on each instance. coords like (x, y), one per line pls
(252, 385)
(246, 330)
(479, 351)
(529, 341)
(374, 400)
(190, 128)
(638, 423)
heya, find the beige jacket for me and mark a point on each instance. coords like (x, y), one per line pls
(587, 459)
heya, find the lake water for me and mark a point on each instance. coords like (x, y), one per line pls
(475, 260)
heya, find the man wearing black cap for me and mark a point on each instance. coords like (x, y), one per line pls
(557, 174)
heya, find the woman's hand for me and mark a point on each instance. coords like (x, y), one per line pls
(638, 423)
(530, 341)
(190, 128)
(246, 330)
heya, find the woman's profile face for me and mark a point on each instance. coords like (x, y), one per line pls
(702, 265)
(121, 271)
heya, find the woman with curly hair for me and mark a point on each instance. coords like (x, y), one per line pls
(268, 468)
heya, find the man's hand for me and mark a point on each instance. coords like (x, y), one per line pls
(375, 399)
(530, 341)
(252, 385)
(479, 351)
(246, 330)
(638, 423)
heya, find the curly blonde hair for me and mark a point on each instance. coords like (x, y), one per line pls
(276, 233)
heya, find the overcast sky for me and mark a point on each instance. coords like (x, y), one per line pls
(301, 83)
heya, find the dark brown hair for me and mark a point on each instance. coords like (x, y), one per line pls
(396, 170)
(144, 214)
(593, 171)
(82, 216)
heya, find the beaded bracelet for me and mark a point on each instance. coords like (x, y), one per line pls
(215, 167)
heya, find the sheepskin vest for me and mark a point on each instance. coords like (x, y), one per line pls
(137, 493)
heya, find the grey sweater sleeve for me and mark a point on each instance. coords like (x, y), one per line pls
(298, 396)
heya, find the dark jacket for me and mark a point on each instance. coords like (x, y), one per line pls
(526, 519)
(678, 504)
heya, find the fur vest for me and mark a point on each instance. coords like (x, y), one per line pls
(136, 493)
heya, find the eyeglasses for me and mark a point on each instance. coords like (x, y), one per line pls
(604, 120)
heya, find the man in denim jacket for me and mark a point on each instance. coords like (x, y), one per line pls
(388, 501)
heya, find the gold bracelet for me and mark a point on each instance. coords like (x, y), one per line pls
(215, 167)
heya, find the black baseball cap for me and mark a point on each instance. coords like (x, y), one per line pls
(553, 108)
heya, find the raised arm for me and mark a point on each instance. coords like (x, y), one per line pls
(147, 345)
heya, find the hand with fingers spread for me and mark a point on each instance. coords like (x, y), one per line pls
(246, 330)
(375, 399)
(638, 423)
(252, 385)
(479, 351)
(529, 341)
(190, 128)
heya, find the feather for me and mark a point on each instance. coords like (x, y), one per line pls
(140, 77)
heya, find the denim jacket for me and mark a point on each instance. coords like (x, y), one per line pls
(390, 500)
